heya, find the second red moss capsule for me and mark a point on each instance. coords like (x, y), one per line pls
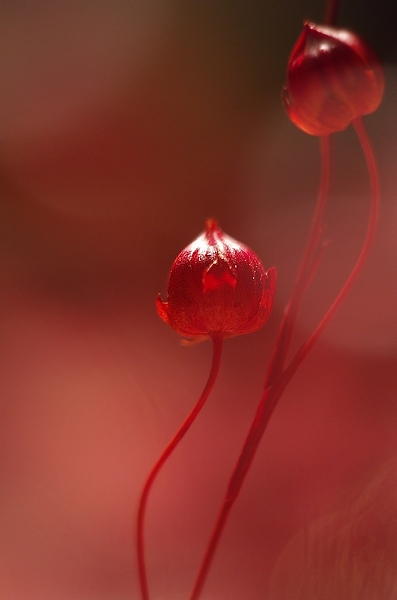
(333, 77)
(217, 287)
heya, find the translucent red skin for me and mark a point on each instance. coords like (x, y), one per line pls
(217, 287)
(333, 77)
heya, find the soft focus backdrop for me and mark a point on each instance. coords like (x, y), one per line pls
(123, 126)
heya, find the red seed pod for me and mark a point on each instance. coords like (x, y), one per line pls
(217, 286)
(333, 77)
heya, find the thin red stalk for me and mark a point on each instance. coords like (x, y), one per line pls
(362, 259)
(275, 388)
(331, 11)
(308, 265)
(269, 400)
(216, 359)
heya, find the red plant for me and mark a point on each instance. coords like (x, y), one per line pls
(217, 288)
(333, 79)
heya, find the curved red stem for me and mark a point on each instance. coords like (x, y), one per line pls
(308, 265)
(140, 546)
(362, 259)
(275, 386)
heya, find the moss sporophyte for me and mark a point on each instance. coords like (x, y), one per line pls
(218, 287)
(333, 77)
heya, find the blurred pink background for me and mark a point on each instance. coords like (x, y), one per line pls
(123, 126)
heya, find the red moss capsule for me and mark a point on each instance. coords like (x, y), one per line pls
(217, 286)
(333, 77)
